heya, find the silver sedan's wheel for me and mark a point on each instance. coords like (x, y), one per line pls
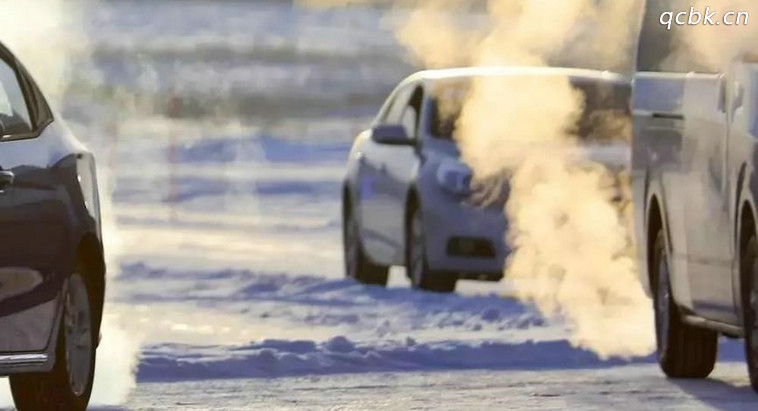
(357, 263)
(350, 244)
(417, 251)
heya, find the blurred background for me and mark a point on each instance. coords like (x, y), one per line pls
(207, 113)
(222, 130)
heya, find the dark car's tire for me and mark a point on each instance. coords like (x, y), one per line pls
(416, 264)
(69, 385)
(749, 272)
(684, 351)
(357, 264)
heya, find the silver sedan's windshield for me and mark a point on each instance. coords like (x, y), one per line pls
(607, 106)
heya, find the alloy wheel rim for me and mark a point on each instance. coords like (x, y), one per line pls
(78, 336)
(663, 302)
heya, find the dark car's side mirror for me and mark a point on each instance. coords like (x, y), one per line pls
(391, 134)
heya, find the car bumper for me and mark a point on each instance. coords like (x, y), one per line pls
(465, 239)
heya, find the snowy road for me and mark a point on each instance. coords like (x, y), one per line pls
(621, 388)
(251, 311)
(235, 290)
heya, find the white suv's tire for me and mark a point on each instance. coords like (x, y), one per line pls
(684, 351)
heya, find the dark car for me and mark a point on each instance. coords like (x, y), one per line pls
(695, 189)
(52, 271)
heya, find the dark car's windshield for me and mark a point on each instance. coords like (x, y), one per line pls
(605, 105)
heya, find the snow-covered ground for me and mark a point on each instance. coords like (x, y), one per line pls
(227, 227)
(239, 298)
(619, 388)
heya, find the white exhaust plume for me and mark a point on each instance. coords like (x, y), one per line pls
(572, 252)
(47, 35)
(43, 34)
(712, 47)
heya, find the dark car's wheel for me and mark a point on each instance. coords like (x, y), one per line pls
(684, 351)
(749, 271)
(357, 264)
(417, 267)
(69, 385)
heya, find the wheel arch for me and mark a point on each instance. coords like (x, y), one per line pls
(656, 218)
(91, 260)
(747, 223)
(347, 200)
(745, 227)
(655, 222)
(743, 204)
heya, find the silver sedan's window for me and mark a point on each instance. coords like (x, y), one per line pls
(410, 117)
(410, 120)
(446, 103)
(14, 113)
(606, 111)
(395, 113)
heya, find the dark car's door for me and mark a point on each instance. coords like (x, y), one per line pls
(33, 217)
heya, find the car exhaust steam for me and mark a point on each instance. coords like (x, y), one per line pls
(711, 45)
(572, 252)
(47, 35)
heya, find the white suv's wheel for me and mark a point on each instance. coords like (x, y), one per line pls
(684, 351)
(69, 385)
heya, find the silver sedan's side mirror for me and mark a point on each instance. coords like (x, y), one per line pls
(391, 134)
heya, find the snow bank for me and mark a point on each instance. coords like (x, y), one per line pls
(278, 358)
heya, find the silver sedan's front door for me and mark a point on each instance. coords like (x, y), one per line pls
(376, 188)
(398, 171)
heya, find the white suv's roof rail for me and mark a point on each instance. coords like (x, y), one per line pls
(453, 73)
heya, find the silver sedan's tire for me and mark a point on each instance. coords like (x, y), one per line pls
(357, 264)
